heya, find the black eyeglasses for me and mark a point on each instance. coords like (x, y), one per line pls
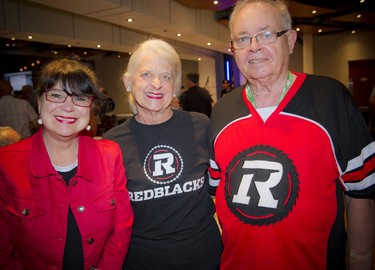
(263, 38)
(60, 96)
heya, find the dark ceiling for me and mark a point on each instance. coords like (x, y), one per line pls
(332, 16)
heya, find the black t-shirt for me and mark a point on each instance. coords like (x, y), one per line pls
(166, 170)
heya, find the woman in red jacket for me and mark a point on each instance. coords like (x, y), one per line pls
(63, 197)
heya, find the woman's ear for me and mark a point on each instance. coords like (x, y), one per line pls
(126, 83)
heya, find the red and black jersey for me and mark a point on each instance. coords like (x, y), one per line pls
(280, 197)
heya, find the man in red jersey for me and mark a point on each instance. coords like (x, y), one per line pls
(289, 149)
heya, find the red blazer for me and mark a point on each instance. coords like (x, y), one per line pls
(34, 201)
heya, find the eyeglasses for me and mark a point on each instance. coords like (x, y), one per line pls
(60, 96)
(263, 38)
(149, 77)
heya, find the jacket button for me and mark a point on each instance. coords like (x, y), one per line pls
(92, 267)
(81, 208)
(25, 212)
(113, 202)
(90, 241)
(74, 183)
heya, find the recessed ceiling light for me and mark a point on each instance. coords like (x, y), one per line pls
(359, 16)
(216, 2)
(320, 30)
(130, 20)
(30, 37)
(98, 46)
(208, 43)
(179, 34)
(353, 32)
(313, 12)
(199, 59)
(362, 1)
(298, 29)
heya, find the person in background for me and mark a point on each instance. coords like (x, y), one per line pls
(28, 94)
(63, 197)
(8, 136)
(196, 98)
(291, 145)
(15, 112)
(226, 88)
(166, 154)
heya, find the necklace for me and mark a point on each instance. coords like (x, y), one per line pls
(288, 83)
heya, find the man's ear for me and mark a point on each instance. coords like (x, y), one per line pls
(292, 37)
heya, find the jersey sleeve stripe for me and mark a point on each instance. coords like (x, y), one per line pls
(367, 156)
(360, 172)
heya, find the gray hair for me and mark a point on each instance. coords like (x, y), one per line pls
(280, 5)
(159, 48)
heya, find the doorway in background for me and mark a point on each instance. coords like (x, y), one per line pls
(361, 82)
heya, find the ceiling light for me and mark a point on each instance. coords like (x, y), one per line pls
(208, 43)
(98, 46)
(353, 32)
(216, 2)
(362, 1)
(320, 30)
(199, 59)
(313, 12)
(130, 20)
(298, 29)
(179, 34)
(359, 16)
(13, 38)
(30, 37)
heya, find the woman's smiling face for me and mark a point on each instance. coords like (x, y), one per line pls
(152, 85)
(65, 119)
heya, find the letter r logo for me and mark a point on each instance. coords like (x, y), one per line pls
(165, 161)
(163, 165)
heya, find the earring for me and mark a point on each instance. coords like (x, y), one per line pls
(40, 122)
(88, 128)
